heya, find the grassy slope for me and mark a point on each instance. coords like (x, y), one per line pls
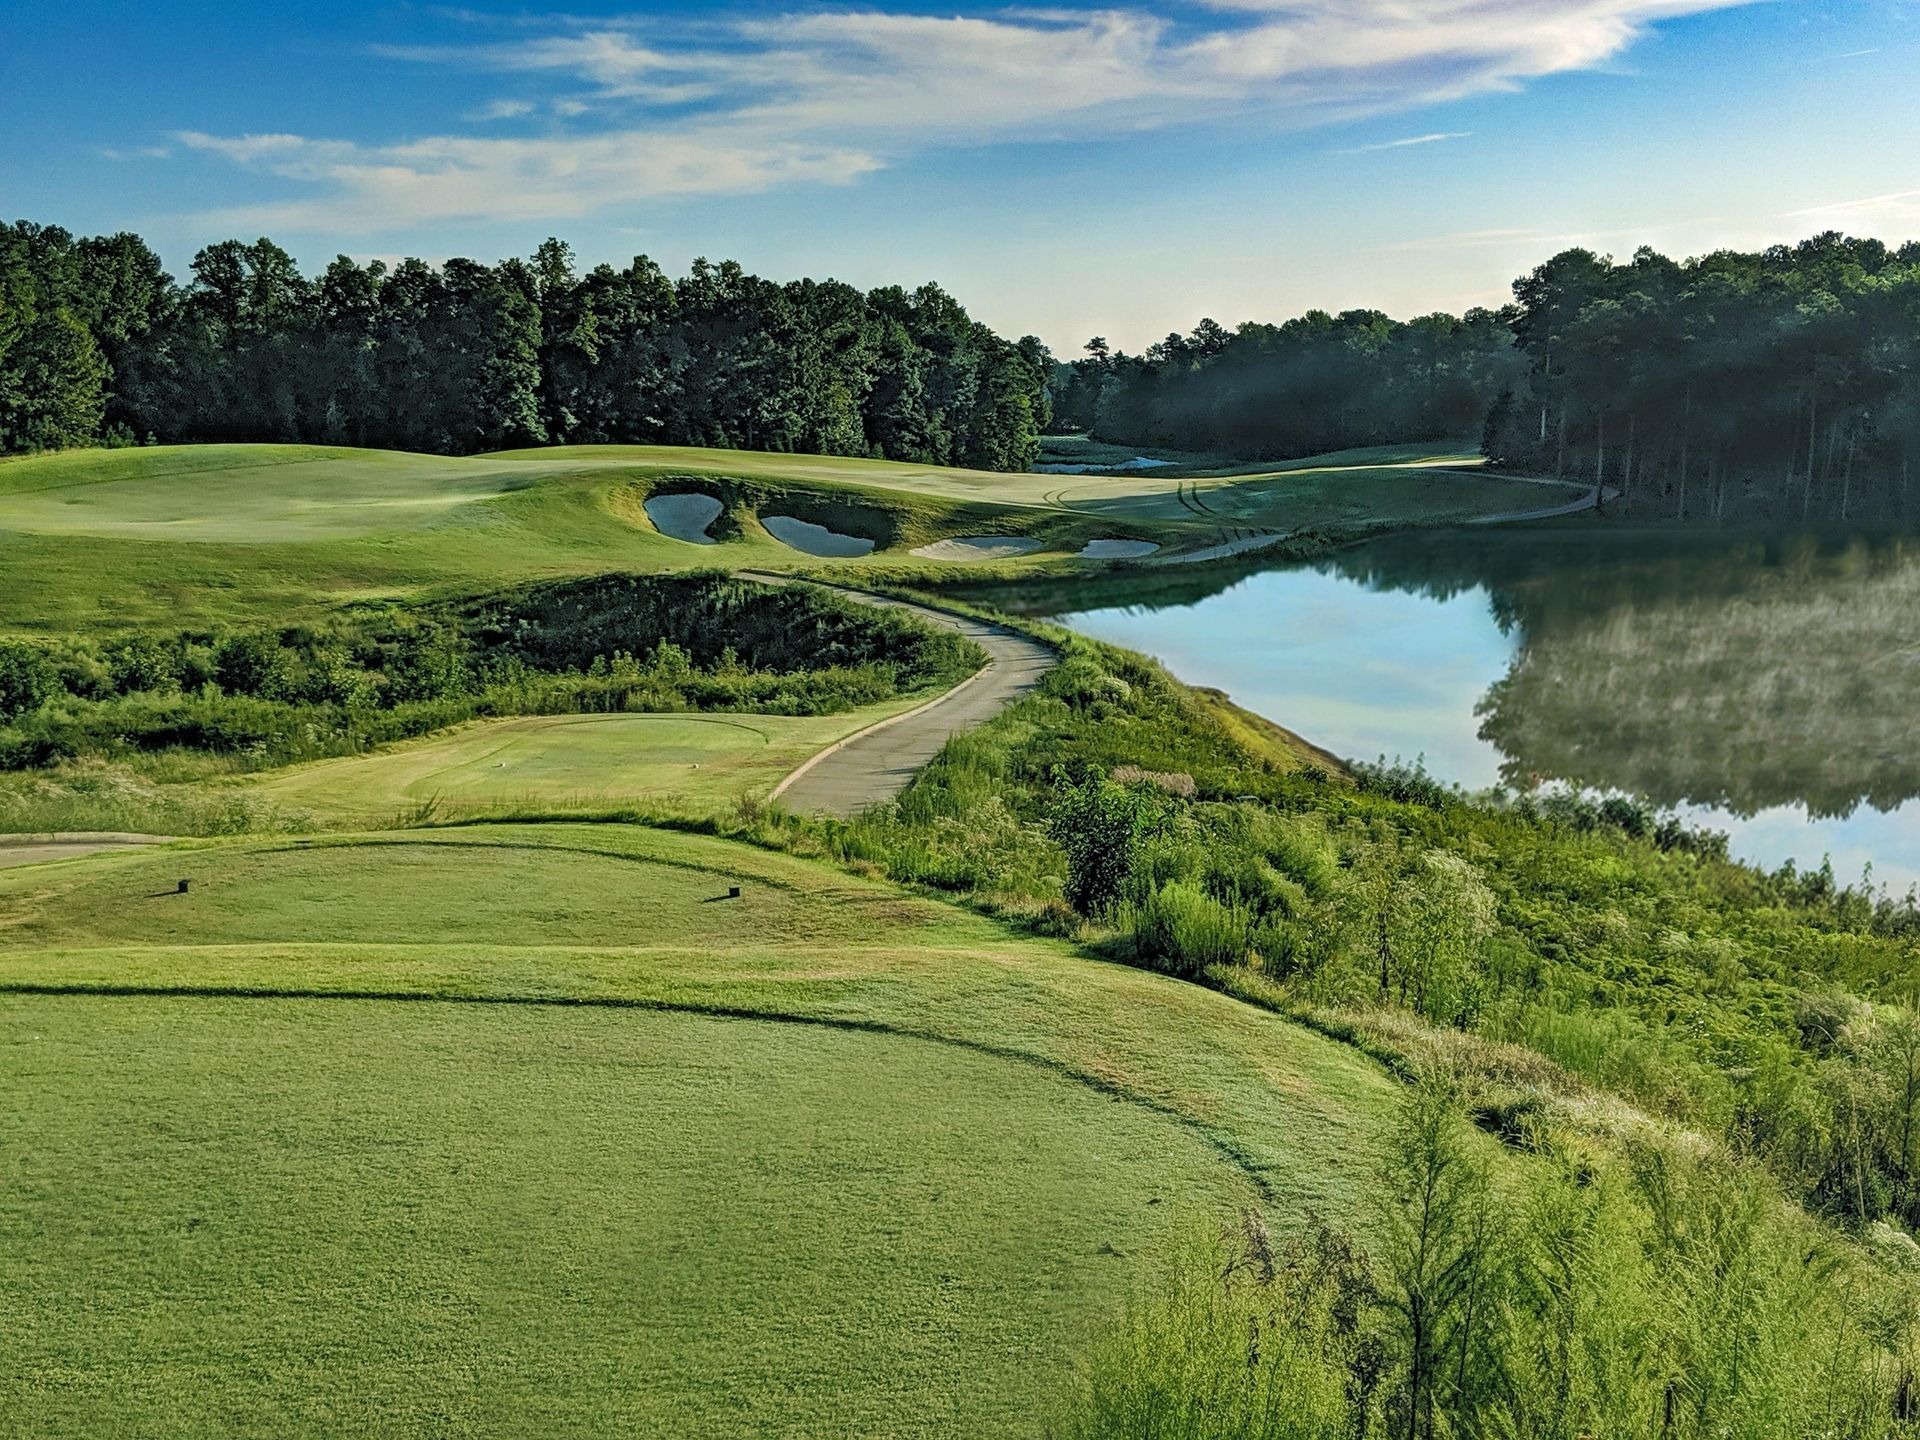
(324, 1214)
(198, 534)
(697, 764)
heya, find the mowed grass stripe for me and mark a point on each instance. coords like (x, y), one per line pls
(693, 764)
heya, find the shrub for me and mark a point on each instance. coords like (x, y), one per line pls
(27, 679)
(1186, 930)
(1106, 830)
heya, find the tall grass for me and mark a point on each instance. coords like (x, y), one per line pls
(1670, 1294)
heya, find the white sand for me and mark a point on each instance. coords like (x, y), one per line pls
(978, 547)
(684, 517)
(804, 535)
(1117, 549)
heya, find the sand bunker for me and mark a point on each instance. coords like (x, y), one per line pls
(684, 517)
(38, 849)
(1244, 545)
(813, 539)
(1117, 549)
(978, 547)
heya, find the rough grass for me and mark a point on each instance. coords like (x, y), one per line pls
(93, 540)
(608, 1152)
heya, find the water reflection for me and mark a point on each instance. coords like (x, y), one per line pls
(1767, 687)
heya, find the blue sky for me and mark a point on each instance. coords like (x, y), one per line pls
(1068, 170)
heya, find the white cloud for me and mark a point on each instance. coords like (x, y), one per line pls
(503, 110)
(1898, 200)
(368, 188)
(1411, 140)
(825, 96)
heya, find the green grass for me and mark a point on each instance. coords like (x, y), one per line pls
(826, 1159)
(194, 535)
(695, 764)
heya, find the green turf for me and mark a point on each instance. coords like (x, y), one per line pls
(826, 1159)
(93, 540)
(693, 764)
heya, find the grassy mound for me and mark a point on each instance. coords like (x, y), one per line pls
(528, 1128)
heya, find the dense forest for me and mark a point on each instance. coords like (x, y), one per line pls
(98, 343)
(1773, 386)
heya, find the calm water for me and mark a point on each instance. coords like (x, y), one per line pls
(1767, 688)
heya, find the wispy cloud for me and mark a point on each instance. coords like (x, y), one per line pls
(134, 152)
(1530, 239)
(368, 188)
(502, 110)
(1433, 139)
(1841, 209)
(754, 100)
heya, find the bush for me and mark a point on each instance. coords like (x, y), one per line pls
(27, 679)
(1107, 830)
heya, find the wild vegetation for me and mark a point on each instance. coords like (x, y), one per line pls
(1582, 1294)
(99, 344)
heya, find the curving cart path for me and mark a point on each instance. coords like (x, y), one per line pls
(877, 763)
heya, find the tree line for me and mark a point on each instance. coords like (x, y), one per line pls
(99, 344)
(1778, 385)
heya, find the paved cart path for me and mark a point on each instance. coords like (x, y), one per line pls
(879, 762)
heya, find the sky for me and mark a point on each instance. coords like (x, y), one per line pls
(1065, 170)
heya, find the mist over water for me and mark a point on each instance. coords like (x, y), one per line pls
(1762, 686)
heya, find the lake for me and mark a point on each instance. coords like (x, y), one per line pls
(1766, 687)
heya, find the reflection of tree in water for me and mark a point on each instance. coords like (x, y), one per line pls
(1742, 674)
